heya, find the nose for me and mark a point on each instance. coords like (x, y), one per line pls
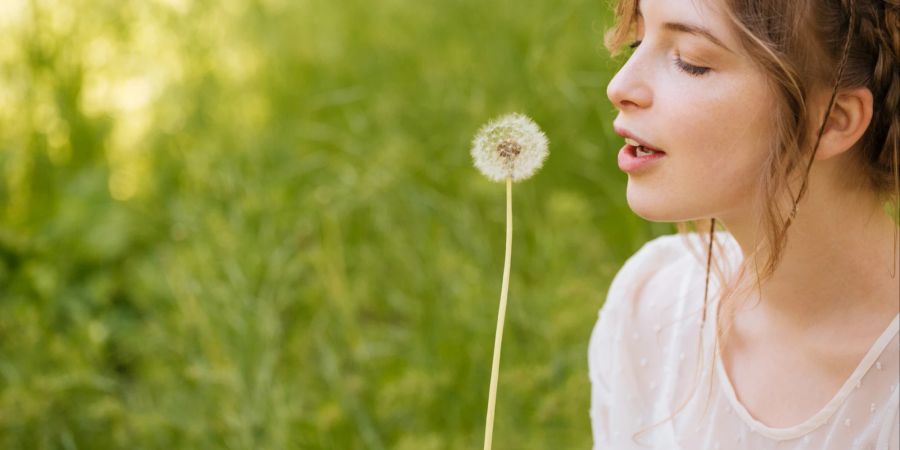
(629, 89)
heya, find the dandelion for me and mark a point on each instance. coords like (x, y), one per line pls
(510, 148)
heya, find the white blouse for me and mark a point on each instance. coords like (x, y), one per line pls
(644, 351)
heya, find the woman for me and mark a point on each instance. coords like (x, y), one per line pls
(778, 122)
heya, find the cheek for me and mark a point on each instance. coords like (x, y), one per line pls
(728, 141)
(719, 141)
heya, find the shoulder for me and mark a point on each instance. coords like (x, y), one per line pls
(644, 306)
(655, 260)
(670, 257)
(657, 277)
(647, 312)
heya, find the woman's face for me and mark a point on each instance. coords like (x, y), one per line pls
(704, 104)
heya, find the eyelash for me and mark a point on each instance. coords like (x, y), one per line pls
(690, 69)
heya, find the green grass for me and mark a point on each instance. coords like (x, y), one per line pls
(256, 224)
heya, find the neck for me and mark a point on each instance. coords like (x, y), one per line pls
(837, 262)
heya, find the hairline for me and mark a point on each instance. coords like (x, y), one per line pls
(680, 27)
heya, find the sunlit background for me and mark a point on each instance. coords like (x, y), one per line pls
(255, 224)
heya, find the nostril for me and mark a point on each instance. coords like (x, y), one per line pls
(628, 89)
(632, 102)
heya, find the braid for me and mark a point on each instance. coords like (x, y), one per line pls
(891, 59)
(880, 28)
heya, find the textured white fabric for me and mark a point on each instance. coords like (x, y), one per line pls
(644, 351)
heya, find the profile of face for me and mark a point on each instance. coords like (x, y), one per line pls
(688, 90)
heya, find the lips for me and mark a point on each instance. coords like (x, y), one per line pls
(632, 163)
(635, 141)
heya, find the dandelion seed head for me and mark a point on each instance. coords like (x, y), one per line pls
(509, 146)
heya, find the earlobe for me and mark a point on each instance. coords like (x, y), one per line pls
(849, 119)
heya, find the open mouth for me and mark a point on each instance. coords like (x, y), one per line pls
(638, 150)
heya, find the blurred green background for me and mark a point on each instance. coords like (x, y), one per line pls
(255, 224)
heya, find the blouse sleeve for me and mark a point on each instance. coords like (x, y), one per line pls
(600, 350)
(605, 346)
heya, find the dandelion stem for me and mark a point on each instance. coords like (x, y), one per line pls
(501, 315)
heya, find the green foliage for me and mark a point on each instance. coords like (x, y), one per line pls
(255, 224)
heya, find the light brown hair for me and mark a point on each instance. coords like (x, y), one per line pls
(798, 44)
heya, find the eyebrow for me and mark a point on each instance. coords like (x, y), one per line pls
(690, 29)
(695, 30)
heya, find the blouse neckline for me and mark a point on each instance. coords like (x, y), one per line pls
(820, 417)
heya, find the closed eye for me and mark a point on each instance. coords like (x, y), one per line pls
(690, 69)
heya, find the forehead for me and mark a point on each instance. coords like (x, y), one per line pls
(706, 10)
(703, 18)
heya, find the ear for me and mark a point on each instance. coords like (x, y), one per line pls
(849, 119)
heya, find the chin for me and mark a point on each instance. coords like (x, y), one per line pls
(655, 208)
(655, 215)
